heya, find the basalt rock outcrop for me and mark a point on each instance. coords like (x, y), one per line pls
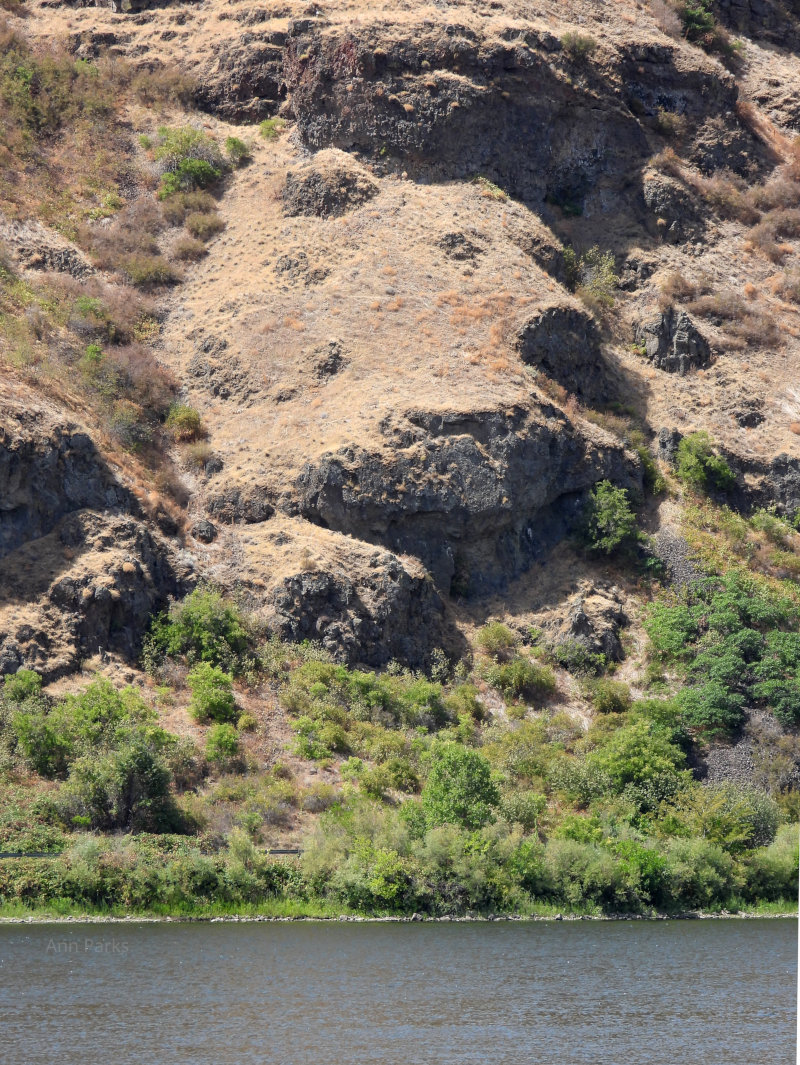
(512, 104)
(376, 613)
(564, 343)
(81, 569)
(474, 495)
(673, 342)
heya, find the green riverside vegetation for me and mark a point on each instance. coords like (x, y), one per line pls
(423, 801)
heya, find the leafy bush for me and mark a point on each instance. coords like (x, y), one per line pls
(212, 694)
(576, 658)
(523, 808)
(238, 152)
(578, 46)
(127, 788)
(222, 744)
(204, 225)
(610, 696)
(459, 789)
(638, 753)
(204, 627)
(609, 521)
(271, 128)
(184, 422)
(732, 634)
(497, 640)
(149, 271)
(595, 278)
(698, 466)
(522, 679)
(21, 685)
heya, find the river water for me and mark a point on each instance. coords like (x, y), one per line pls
(571, 993)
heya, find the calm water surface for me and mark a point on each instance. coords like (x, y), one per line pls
(630, 993)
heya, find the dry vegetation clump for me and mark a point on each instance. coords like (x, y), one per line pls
(89, 338)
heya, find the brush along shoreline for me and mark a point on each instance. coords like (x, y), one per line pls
(393, 919)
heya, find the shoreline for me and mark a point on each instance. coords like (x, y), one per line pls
(413, 919)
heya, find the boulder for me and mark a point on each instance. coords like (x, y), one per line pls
(672, 342)
(564, 343)
(328, 185)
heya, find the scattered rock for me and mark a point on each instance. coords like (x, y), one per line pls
(329, 359)
(675, 554)
(297, 268)
(330, 184)
(36, 248)
(593, 617)
(459, 247)
(204, 530)
(673, 343)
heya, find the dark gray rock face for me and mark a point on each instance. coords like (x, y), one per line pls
(329, 359)
(327, 186)
(204, 530)
(371, 619)
(240, 506)
(47, 471)
(673, 343)
(448, 101)
(564, 343)
(475, 495)
(673, 210)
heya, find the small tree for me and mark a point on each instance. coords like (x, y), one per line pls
(222, 744)
(610, 523)
(459, 789)
(698, 466)
(212, 694)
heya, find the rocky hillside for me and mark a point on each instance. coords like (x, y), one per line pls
(389, 322)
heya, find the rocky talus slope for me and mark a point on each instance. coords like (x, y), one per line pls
(386, 345)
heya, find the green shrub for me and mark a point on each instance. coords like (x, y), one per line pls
(578, 46)
(596, 279)
(212, 694)
(697, 465)
(459, 789)
(697, 19)
(190, 174)
(247, 723)
(238, 152)
(497, 640)
(731, 632)
(610, 696)
(523, 808)
(576, 658)
(734, 817)
(271, 128)
(149, 271)
(184, 423)
(21, 685)
(222, 743)
(637, 754)
(609, 521)
(204, 627)
(771, 872)
(127, 789)
(204, 225)
(522, 679)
